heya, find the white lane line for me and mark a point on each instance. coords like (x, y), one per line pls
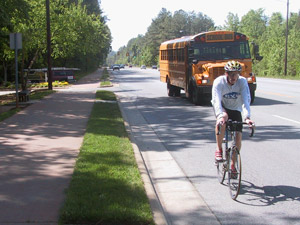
(294, 121)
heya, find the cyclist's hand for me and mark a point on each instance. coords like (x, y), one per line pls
(250, 123)
(221, 121)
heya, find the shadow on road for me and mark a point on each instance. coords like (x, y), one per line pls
(265, 101)
(269, 195)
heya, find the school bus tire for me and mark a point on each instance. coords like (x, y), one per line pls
(177, 92)
(170, 88)
(196, 96)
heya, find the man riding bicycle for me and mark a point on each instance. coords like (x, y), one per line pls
(230, 97)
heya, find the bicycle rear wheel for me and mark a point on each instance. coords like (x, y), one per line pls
(234, 176)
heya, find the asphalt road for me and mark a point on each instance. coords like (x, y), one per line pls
(270, 181)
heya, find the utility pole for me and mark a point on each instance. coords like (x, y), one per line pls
(286, 38)
(49, 46)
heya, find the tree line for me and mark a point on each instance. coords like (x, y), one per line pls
(268, 32)
(79, 35)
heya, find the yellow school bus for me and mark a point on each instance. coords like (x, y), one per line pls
(192, 63)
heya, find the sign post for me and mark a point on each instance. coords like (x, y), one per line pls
(16, 43)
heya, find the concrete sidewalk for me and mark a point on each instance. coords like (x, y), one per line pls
(38, 149)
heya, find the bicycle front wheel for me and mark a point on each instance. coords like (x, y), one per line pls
(221, 170)
(234, 173)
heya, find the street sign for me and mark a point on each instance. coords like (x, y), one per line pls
(15, 40)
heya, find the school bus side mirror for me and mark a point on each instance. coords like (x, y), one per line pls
(255, 50)
(259, 57)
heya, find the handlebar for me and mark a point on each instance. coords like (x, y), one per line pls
(235, 123)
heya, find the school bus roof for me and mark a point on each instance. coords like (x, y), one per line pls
(178, 42)
(186, 40)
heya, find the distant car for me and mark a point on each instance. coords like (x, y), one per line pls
(122, 66)
(130, 66)
(154, 67)
(58, 74)
(143, 67)
(116, 67)
(63, 75)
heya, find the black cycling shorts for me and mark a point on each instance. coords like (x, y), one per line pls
(235, 115)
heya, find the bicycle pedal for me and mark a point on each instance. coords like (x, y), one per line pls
(219, 161)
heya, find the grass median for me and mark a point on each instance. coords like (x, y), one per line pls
(106, 187)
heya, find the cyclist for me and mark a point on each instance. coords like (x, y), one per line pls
(230, 98)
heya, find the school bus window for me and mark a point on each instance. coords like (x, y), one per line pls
(174, 54)
(221, 51)
(244, 50)
(170, 54)
(163, 55)
(181, 55)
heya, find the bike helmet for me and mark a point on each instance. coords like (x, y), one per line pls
(233, 66)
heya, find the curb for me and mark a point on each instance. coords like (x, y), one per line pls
(156, 207)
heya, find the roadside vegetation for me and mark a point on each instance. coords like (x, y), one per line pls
(106, 187)
(105, 79)
(9, 113)
(80, 36)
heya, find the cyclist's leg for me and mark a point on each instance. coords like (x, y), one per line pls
(219, 138)
(239, 140)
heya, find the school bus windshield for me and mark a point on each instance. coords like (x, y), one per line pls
(221, 51)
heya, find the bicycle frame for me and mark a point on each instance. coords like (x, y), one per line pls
(232, 163)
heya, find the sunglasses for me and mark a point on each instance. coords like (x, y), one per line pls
(232, 74)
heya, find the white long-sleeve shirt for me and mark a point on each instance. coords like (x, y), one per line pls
(233, 97)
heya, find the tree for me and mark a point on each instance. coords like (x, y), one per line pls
(272, 46)
(232, 23)
(9, 9)
(294, 45)
(253, 24)
(80, 37)
(200, 23)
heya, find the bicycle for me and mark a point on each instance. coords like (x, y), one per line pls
(231, 154)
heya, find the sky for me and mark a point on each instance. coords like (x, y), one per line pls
(129, 18)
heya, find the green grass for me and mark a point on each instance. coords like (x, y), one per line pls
(9, 113)
(106, 187)
(39, 94)
(104, 81)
